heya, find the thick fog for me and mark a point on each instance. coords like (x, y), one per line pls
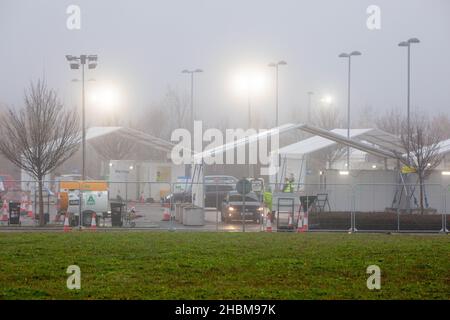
(143, 46)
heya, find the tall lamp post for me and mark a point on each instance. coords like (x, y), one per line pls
(276, 65)
(75, 62)
(349, 57)
(191, 73)
(407, 44)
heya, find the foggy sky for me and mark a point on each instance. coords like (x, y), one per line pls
(143, 46)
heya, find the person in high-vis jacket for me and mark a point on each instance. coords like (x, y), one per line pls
(288, 185)
(268, 203)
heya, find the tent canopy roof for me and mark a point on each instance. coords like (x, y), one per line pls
(135, 135)
(318, 143)
(373, 141)
(444, 147)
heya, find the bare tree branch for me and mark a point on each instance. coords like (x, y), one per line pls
(41, 136)
(423, 146)
(329, 118)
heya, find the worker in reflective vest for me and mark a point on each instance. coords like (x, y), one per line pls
(288, 186)
(268, 203)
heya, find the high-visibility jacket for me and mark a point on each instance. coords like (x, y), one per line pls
(268, 199)
(288, 187)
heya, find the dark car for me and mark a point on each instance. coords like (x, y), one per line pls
(233, 206)
(216, 188)
(214, 195)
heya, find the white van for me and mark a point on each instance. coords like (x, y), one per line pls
(91, 202)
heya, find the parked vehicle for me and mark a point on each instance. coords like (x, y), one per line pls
(233, 206)
(94, 199)
(216, 188)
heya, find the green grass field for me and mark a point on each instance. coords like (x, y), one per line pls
(190, 265)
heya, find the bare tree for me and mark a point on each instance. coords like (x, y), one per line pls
(442, 123)
(366, 116)
(178, 107)
(391, 122)
(423, 148)
(114, 147)
(329, 118)
(156, 123)
(171, 113)
(39, 137)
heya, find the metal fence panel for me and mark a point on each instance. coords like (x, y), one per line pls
(374, 207)
(431, 217)
(385, 207)
(161, 205)
(333, 206)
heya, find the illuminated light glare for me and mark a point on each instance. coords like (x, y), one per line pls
(327, 99)
(374, 166)
(344, 173)
(446, 173)
(106, 98)
(250, 82)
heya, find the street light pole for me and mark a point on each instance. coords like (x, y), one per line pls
(75, 62)
(276, 65)
(191, 73)
(349, 56)
(348, 109)
(192, 118)
(83, 121)
(408, 128)
(249, 105)
(249, 126)
(192, 101)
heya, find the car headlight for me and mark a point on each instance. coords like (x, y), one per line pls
(230, 209)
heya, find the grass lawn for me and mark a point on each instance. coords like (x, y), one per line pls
(190, 265)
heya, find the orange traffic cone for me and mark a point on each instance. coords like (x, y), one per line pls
(23, 205)
(67, 227)
(93, 222)
(268, 224)
(4, 211)
(30, 210)
(300, 224)
(305, 222)
(166, 214)
(290, 221)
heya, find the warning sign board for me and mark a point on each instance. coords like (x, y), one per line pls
(407, 169)
(90, 201)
